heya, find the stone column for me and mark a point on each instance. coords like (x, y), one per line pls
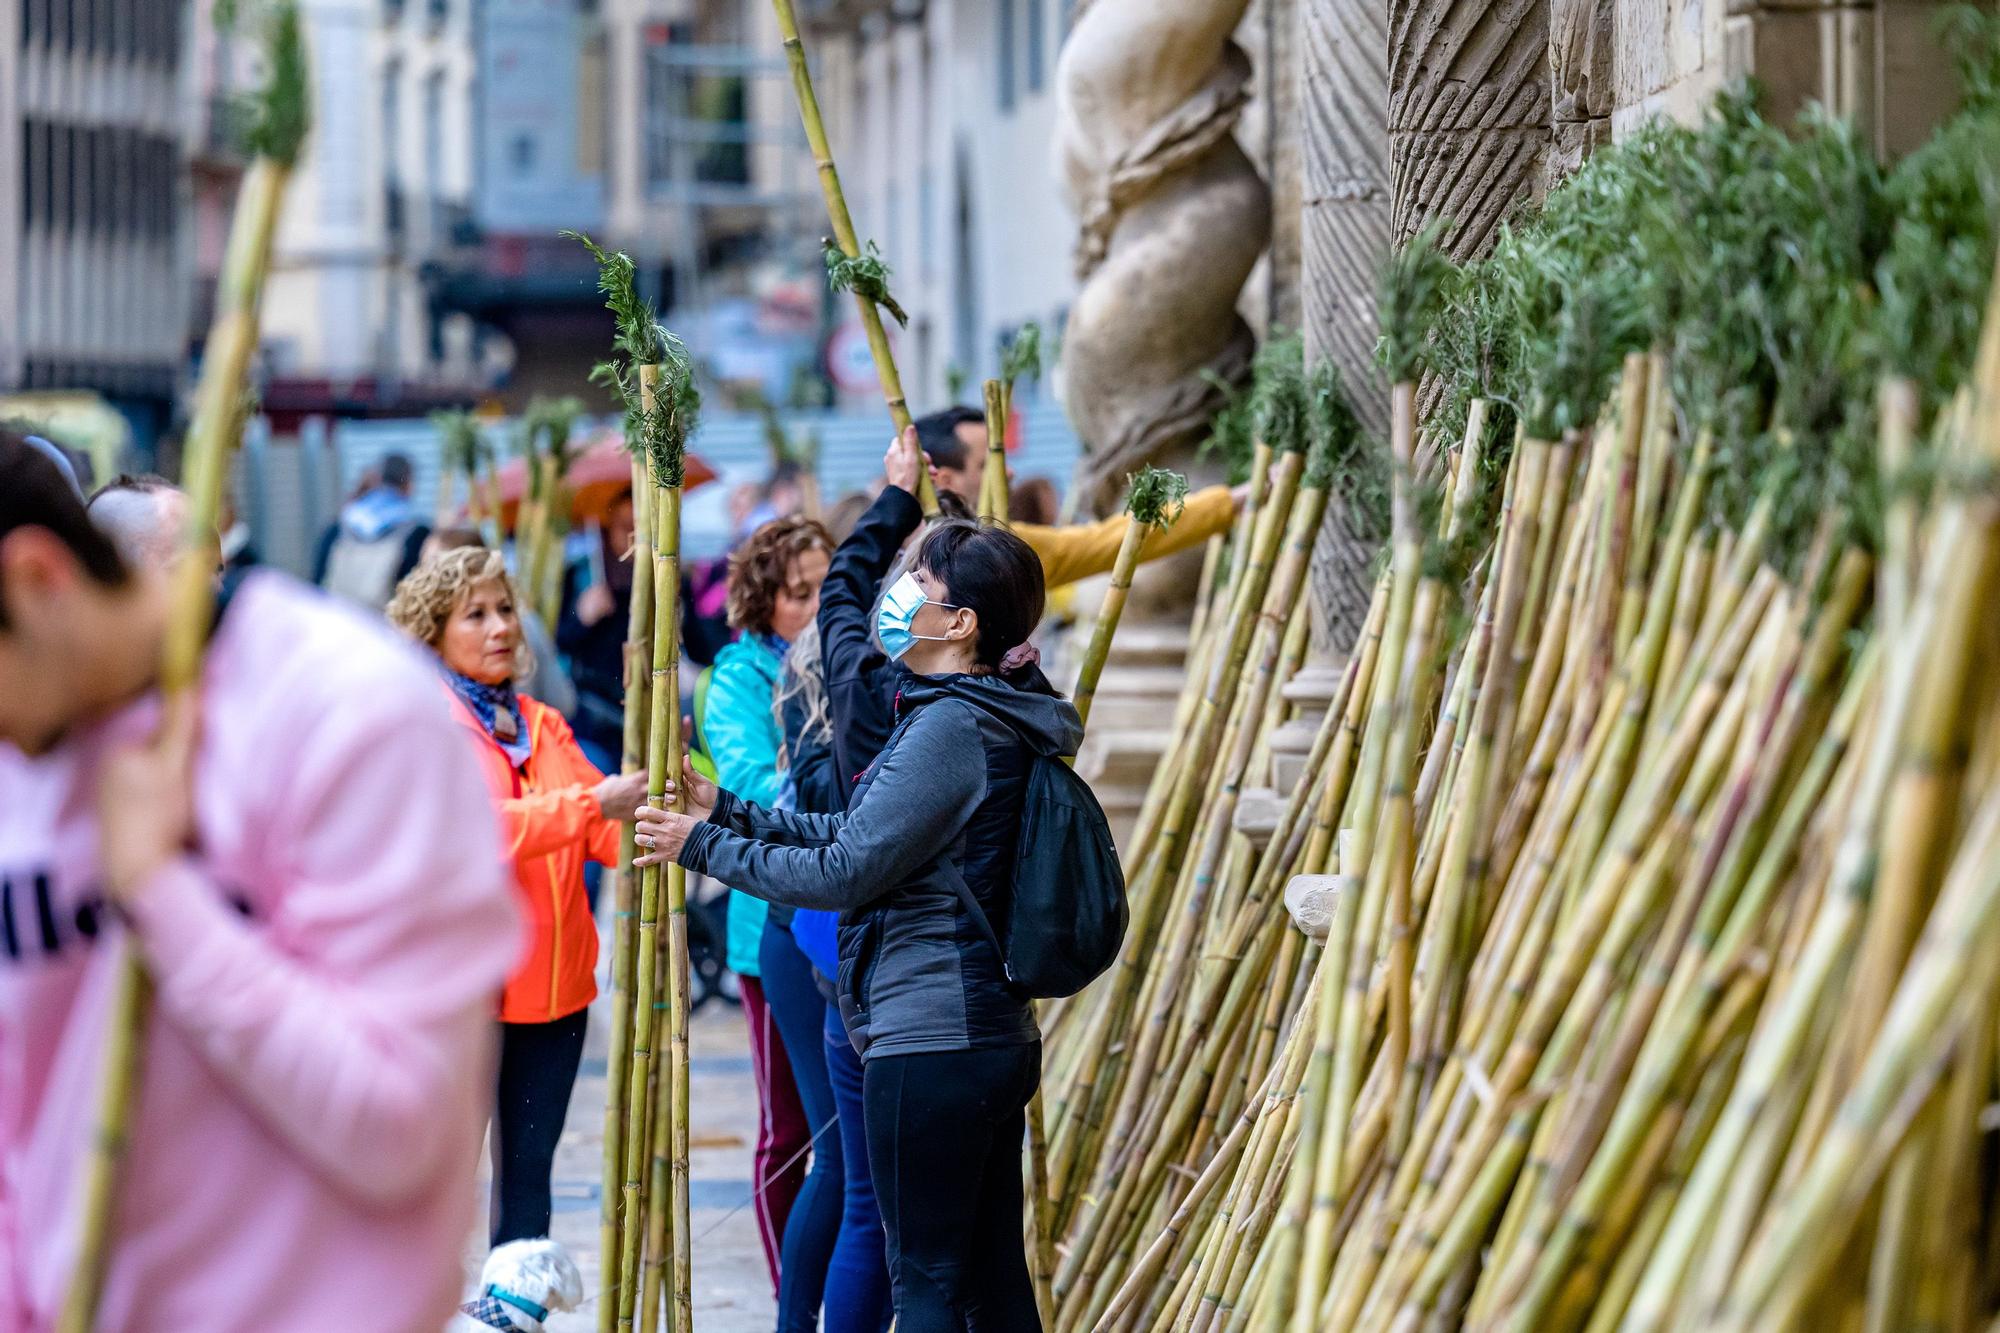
(1345, 219)
(1469, 108)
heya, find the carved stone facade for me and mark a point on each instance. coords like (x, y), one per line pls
(1460, 109)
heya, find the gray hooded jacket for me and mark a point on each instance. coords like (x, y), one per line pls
(917, 975)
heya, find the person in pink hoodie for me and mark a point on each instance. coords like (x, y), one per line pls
(311, 874)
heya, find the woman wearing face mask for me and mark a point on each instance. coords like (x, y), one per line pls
(556, 812)
(950, 1049)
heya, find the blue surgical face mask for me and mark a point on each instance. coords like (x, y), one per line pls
(899, 613)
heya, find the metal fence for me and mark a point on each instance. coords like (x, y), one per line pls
(290, 489)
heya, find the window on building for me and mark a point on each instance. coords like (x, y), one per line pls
(1004, 38)
(697, 122)
(1038, 43)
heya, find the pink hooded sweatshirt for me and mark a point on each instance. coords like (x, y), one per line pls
(317, 1071)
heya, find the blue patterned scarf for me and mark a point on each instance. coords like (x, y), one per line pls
(487, 703)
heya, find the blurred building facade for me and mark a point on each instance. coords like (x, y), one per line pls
(94, 247)
(942, 117)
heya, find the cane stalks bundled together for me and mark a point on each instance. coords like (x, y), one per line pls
(277, 118)
(543, 523)
(645, 1197)
(1653, 824)
(467, 454)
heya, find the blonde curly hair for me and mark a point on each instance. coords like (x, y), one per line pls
(428, 595)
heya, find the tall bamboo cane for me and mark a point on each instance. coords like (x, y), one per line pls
(993, 477)
(277, 134)
(1022, 357)
(864, 275)
(653, 378)
(637, 341)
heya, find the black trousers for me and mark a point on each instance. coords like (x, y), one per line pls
(538, 1064)
(945, 1136)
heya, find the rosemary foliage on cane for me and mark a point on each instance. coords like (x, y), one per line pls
(1024, 357)
(1157, 497)
(661, 431)
(866, 275)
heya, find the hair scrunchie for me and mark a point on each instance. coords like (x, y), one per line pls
(1019, 656)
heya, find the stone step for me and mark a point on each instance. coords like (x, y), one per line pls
(1148, 645)
(1135, 698)
(1120, 757)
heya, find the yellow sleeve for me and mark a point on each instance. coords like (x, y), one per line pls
(1081, 550)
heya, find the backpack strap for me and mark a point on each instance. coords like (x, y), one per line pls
(972, 907)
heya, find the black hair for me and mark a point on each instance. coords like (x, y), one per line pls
(397, 474)
(938, 435)
(985, 567)
(35, 494)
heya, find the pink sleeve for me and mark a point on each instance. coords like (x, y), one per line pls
(358, 1020)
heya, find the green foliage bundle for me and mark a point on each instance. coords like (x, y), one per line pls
(660, 432)
(866, 275)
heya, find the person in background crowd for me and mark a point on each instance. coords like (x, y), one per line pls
(556, 811)
(846, 512)
(856, 1299)
(950, 1048)
(955, 442)
(144, 515)
(774, 578)
(544, 679)
(591, 632)
(1033, 502)
(318, 1056)
(376, 541)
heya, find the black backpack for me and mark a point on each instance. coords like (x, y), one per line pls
(1069, 915)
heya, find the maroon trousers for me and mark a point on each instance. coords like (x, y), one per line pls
(782, 1134)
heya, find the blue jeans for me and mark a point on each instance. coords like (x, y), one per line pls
(857, 1280)
(799, 1011)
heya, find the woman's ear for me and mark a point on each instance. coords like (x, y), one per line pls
(966, 619)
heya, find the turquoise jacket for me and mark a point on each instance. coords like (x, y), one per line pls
(740, 731)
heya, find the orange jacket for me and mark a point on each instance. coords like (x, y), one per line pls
(550, 824)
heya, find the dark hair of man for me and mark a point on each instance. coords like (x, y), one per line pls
(938, 434)
(985, 567)
(35, 494)
(397, 474)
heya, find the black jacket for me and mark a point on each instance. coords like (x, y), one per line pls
(596, 656)
(861, 681)
(917, 975)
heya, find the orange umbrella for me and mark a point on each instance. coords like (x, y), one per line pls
(599, 474)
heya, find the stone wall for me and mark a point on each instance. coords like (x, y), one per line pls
(1878, 63)
(1459, 109)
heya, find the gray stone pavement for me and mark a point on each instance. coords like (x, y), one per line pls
(732, 1286)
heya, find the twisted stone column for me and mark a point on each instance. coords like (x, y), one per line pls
(1171, 217)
